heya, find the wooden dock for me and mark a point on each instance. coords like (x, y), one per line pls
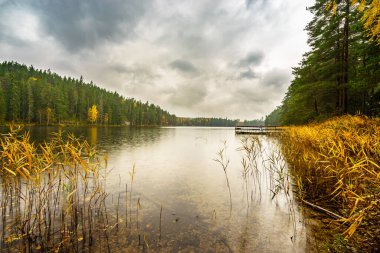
(258, 129)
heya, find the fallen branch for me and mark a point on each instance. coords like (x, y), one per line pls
(324, 210)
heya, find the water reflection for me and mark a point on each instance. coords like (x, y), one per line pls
(175, 169)
(93, 135)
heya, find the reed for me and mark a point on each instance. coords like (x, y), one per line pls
(160, 226)
(251, 148)
(336, 167)
(245, 174)
(48, 193)
(224, 162)
(132, 177)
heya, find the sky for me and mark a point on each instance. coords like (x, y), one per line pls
(207, 58)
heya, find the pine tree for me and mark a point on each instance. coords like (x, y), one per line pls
(14, 102)
(30, 102)
(341, 72)
(3, 108)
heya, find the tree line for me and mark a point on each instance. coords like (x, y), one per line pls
(341, 72)
(218, 122)
(29, 95)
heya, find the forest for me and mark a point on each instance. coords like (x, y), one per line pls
(28, 95)
(341, 72)
(218, 122)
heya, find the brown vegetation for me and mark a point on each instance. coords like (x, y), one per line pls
(51, 197)
(337, 167)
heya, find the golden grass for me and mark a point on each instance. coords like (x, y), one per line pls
(52, 198)
(337, 166)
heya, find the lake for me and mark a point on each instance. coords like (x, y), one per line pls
(176, 169)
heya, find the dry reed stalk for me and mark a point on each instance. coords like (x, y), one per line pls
(44, 193)
(224, 162)
(336, 164)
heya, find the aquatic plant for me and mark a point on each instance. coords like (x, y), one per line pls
(224, 161)
(336, 167)
(251, 148)
(52, 198)
(132, 177)
(245, 174)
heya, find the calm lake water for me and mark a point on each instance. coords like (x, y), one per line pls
(176, 169)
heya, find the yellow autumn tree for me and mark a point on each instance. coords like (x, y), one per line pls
(92, 114)
(370, 18)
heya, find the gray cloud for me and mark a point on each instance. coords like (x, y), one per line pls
(84, 24)
(248, 74)
(119, 68)
(252, 59)
(193, 58)
(248, 3)
(188, 95)
(9, 39)
(183, 66)
(276, 78)
(254, 96)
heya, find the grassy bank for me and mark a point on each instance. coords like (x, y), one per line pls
(337, 168)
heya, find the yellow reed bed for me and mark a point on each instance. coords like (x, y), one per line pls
(337, 167)
(49, 194)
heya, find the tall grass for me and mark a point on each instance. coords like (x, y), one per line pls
(337, 167)
(52, 198)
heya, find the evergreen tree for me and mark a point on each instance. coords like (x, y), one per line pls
(14, 102)
(340, 74)
(30, 102)
(3, 108)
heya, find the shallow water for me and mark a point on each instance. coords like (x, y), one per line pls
(176, 169)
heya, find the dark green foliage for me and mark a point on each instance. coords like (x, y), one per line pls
(35, 96)
(340, 74)
(219, 122)
(3, 108)
(255, 122)
(273, 119)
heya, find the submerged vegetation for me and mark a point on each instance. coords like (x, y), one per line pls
(336, 168)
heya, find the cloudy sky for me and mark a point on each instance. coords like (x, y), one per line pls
(223, 58)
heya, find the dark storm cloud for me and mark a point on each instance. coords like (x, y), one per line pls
(183, 66)
(84, 24)
(252, 59)
(6, 38)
